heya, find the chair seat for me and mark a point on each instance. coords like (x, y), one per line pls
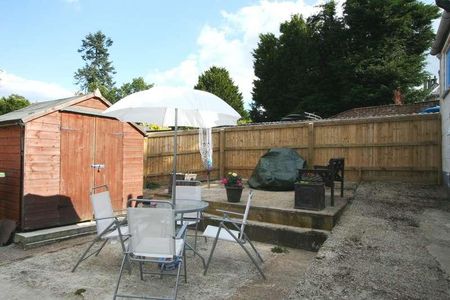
(115, 234)
(188, 222)
(157, 253)
(211, 231)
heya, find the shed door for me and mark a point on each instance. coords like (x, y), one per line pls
(85, 141)
(108, 152)
(77, 141)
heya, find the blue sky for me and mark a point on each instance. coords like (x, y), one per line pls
(166, 42)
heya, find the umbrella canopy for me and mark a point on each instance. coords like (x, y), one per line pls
(157, 106)
(174, 106)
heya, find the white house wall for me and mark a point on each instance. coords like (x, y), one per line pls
(445, 117)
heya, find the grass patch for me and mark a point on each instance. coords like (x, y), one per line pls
(278, 249)
(80, 292)
(152, 185)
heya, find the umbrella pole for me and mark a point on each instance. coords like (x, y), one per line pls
(209, 186)
(174, 174)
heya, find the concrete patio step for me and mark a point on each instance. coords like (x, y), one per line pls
(309, 219)
(281, 235)
(47, 236)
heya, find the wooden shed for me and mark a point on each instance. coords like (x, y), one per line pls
(47, 151)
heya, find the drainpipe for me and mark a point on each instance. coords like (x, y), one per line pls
(444, 26)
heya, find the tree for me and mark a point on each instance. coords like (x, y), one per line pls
(98, 70)
(218, 82)
(12, 103)
(388, 43)
(328, 64)
(284, 70)
(136, 85)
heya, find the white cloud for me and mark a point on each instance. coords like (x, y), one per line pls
(231, 44)
(33, 90)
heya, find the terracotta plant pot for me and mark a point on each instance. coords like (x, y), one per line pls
(234, 193)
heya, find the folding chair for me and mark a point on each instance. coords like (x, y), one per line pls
(230, 235)
(152, 239)
(107, 224)
(185, 192)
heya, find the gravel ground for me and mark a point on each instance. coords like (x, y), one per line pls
(44, 273)
(392, 242)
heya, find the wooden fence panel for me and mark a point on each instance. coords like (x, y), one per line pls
(404, 148)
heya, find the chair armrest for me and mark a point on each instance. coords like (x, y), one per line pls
(320, 167)
(106, 218)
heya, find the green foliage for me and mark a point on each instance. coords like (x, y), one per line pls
(327, 64)
(279, 249)
(79, 292)
(218, 82)
(98, 70)
(115, 94)
(12, 102)
(152, 185)
(136, 85)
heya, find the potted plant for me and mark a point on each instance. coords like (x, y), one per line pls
(233, 185)
(309, 192)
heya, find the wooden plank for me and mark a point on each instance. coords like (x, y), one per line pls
(10, 148)
(10, 141)
(37, 126)
(371, 145)
(42, 134)
(12, 131)
(379, 143)
(52, 118)
(6, 149)
(42, 158)
(47, 143)
(42, 167)
(92, 103)
(311, 144)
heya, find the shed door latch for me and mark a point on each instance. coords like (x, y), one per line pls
(98, 166)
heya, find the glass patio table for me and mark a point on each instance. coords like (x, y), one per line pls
(183, 206)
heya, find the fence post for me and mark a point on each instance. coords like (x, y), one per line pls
(144, 172)
(221, 153)
(310, 144)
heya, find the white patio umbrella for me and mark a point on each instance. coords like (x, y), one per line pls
(174, 106)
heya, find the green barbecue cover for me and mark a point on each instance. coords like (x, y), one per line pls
(277, 170)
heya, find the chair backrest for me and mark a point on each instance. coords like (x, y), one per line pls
(152, 231)
(101, 203)
(336, 166)
(247, 209)
(189, 192)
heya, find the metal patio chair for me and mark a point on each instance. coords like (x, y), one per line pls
(108, 225)
(152, 240)
(238, 235)
(191, 193)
